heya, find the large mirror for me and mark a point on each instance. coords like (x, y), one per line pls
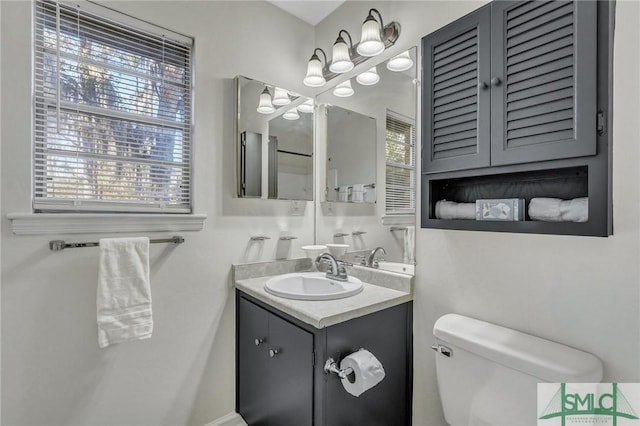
(275, 142)
(365, 138)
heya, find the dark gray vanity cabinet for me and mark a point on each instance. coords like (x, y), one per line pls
(275, 359)
(280, 378)
(513, 82)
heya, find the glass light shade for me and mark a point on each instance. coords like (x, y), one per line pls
(343, 90)
(341, 62)
(401, 62)
(370, 41)
(281, 97)
(264, 104)
(292, 114)
(314, 76)
(369, 77)
(306, 107)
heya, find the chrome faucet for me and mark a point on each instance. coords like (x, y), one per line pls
(371, 260)
(337, 269)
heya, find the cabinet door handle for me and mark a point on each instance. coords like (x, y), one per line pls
(273, 353)
(495, 81)
(483, 85)
(258, 342)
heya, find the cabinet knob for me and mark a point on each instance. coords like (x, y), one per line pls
(273, 353)
(258, 342)
(483, 85)
(495, 81)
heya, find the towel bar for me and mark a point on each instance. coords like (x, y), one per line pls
(57, 245)
(398, 228)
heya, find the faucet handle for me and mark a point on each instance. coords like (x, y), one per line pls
(363, 259)
(376, 262)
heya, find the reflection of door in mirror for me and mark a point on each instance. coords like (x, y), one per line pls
(351, 156)
(275, 142)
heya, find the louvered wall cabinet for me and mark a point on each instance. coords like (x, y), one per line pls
(516, 94)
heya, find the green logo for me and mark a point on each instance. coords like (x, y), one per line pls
(574, 402)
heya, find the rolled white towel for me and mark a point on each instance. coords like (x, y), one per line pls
(452, 210)
(546, 209)
(576, 210)
(557, 210)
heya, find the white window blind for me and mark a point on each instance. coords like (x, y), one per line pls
(112, 123)
(400, 153)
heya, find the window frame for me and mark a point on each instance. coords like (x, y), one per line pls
(401, 216)
(130, 25)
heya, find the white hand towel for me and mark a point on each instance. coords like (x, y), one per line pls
(409, 244)
(357, 194)
(343, 193)
(124, 291)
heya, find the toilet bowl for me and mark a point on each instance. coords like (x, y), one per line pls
(488, 374)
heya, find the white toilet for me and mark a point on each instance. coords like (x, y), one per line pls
(488, 375)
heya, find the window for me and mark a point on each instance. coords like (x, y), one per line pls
(112, 113)
(400, 154)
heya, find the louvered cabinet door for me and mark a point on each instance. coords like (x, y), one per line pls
(456, 95)
(543, 80)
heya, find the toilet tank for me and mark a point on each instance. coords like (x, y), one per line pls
(491, 372)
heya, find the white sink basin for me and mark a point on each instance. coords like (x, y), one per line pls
(312, 286)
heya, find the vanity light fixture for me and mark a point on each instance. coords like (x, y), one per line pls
(265, 106)
(341, 62)
(280, 97)
(343, 90)
(401, 62)
(369, 77)
(292, 114)
(315, 77)
(376, 37)
(306, 107)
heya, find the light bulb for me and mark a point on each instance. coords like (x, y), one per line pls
(281, 97)
(314, 77)
(370, 41)
(341, 62)
(264, 105)
(368, 77)
(306, 107)
(292, 114)
(343, 90)
(401, 62)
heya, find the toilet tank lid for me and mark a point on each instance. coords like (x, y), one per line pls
(547, 360)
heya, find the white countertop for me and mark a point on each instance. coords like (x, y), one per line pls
(324, 313)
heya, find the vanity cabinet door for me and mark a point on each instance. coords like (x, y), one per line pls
(456, 94)
(290, 374)
(543, 80)
(252, 358)
(275, 369)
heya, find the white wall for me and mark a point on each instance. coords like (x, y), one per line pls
(580, 291)
(576, 290)
(53, 371)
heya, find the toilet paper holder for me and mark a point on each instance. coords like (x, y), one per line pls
(331, 366)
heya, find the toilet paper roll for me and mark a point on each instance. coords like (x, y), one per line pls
(367, 370)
